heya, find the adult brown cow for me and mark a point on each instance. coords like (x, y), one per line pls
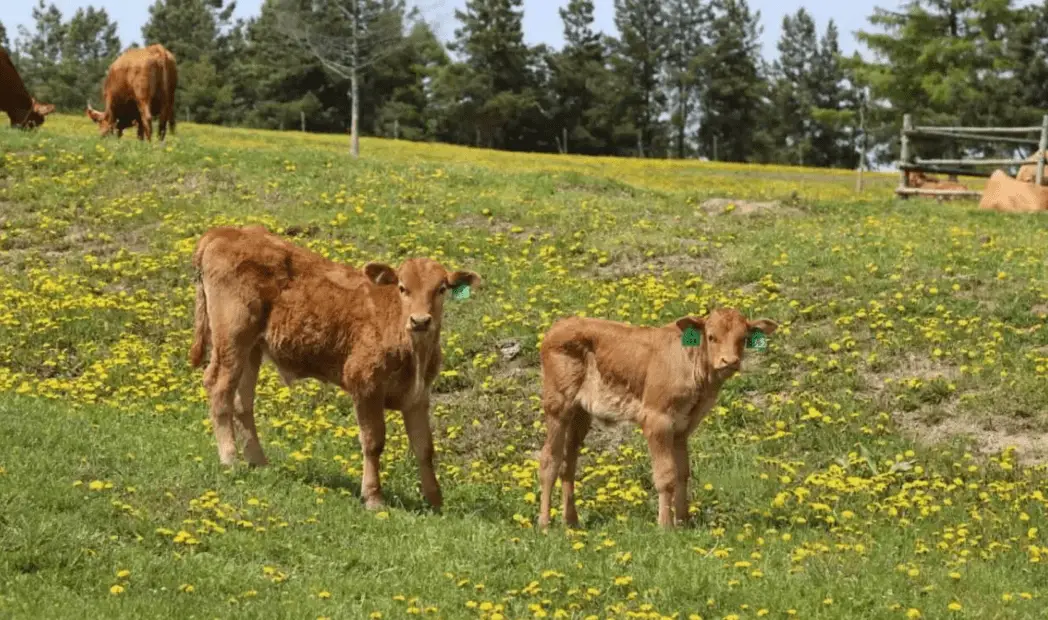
(666, 379)
(140, 84)
(375, 332)
(21, 108)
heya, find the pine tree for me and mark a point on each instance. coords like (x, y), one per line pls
(734, 96)
(576, 74)
(498, 97)
(90, 44)
(1028, 47)
(642, 47)
(3, 38)
(794, 88)
(41, 50)
(835, 108)
(687, 21)
(945, 62)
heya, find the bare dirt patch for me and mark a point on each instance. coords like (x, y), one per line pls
(731, 206)
(492, 225)
(989, 437)
(707, 268)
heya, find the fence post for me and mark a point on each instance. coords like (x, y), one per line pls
(1041, 149)
(904, 152)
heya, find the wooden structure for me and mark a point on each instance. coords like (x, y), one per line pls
(962, 167)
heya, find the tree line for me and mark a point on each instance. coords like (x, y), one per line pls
(682, 78)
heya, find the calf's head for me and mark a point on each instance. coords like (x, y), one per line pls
(125, 116)
(423, 284)
(724, 334)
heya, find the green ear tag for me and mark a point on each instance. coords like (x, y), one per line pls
(757, 341)
(460, 292)
(691, 337)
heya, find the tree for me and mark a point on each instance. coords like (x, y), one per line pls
(794, 88)
(686, 24)
(945, 61)
(642, 48)
(836, 103)
(735, 91)
(498, 95)
(347, 37)
(3, 37)
(577, 75)
(62, 61)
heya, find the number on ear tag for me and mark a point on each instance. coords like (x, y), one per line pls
(460, 292)
(757, 341)
(691, 337)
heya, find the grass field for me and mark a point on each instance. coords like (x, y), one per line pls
(861, 468)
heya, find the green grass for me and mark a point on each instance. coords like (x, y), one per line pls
(856, 470)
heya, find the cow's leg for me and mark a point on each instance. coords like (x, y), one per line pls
(416, 423)
(658, 429)
(245, 408)
(577, 430)
(372, 424)
(683, 464)
(145, 121)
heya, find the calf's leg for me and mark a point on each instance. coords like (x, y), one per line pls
(578, 428)
(680, 459)
(416, 423)
(550, 460)
(658, 429)
(245, 408)
(372, 441)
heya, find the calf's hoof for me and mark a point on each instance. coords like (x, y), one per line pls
(374, 503)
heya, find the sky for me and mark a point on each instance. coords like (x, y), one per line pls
(542, 23)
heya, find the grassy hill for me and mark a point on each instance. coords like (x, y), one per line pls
(861, 468)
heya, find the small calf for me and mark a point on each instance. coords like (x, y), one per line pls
(374, 332)
(647, 375)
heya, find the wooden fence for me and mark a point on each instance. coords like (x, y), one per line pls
(961, 167)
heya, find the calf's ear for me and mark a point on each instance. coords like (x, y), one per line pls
(459, 278)
(767, 326)
(381, 273)
(691, 321)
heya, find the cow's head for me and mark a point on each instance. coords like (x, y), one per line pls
(107, 126)
(34, 117)
(724, 334)
(423, 284)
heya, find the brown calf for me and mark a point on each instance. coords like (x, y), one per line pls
(593, 368)
(21, 108)
(374, 332)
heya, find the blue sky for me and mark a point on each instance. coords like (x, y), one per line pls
(541, 22)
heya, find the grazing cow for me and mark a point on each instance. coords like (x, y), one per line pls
(140, 84)
(375, 332)
(666, 379)
(1008, 195)
(21, 108)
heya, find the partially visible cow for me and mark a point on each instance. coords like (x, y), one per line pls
(1008, 195)
(140, 84)
(920, 179)
(375, 332)
(21, 108)
(1028, 172)
(594, 368)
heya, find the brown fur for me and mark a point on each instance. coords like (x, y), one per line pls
(593, 368)
(921, 180)
(21, 108)
(375, 332)
(140, 84)
(1003, 193)
(1028, 172)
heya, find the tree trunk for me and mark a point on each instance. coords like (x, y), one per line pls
(683, 114)
(354, 113)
